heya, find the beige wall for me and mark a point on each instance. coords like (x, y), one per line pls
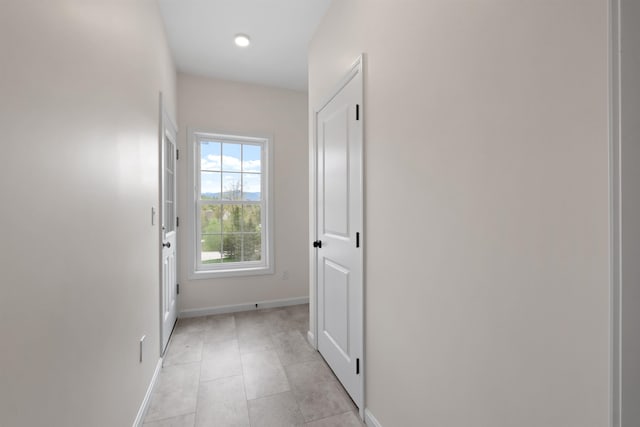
(486, 174)
(79, 85)
(223, 106)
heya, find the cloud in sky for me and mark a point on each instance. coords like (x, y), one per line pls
(214, 182)
(223, 164)
(230, 163)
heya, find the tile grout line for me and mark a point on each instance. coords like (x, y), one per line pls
(244, 385)
(168, 418)
(325, 418)
(195, 416)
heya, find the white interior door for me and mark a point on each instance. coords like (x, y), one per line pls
(169, 281)
(339, 220)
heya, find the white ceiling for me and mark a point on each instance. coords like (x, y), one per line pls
(201, 36)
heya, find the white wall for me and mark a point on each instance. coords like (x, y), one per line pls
(219, 105)
(486, 174)
(79, 85)
(630, 212)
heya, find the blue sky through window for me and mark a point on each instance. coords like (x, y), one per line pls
(231, 155)
(251, 158)
(216, 157)
(210, 155)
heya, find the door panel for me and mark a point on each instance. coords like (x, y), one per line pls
(339, 219)
(336, 314)
(336, 180)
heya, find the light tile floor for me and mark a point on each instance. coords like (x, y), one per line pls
(252, 368)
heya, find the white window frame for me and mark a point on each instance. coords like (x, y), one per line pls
(197, 270)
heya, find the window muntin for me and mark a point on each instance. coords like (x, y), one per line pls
(231, 203)
(169, 171)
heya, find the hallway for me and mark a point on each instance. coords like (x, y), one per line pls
(250, 368)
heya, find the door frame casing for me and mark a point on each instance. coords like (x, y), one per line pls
(357, 68)
(165, 122)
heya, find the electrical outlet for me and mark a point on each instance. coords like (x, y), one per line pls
(141, 345)
(285, 275)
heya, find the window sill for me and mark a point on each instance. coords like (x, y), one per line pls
(232, 272)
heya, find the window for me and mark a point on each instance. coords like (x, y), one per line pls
(231, 205)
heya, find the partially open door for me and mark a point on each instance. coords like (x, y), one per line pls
(168, 228)
(339, 221)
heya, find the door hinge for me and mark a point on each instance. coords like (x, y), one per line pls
(177, 154)
(177, 221)
(317, 244)
(358, 239)
(357, 111)
(357, 366)
(177, 288)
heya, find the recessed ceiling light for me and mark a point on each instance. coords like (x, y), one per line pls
(242, 40)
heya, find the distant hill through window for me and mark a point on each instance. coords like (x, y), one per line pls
(233, 195)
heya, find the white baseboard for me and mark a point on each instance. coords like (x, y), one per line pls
(147, 397)
(311, 339)
(370, 420)
(195, 312)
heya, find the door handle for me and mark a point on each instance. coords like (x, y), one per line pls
(317, 244)
(166, 245)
